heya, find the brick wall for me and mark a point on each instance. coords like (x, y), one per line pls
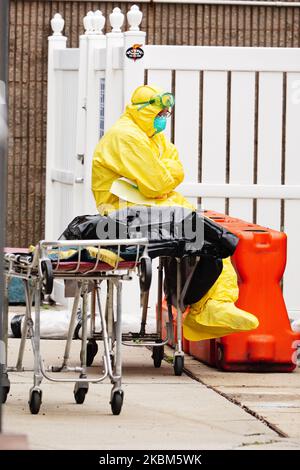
(164, 23)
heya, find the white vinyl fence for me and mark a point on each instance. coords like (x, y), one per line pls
(236, 124)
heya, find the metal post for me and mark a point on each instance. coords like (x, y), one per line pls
(28, 297)
(159, 299)
(72, 325)
(145, 297)
(4, 12)
(119, 333)
(179, 312)
(83, 356)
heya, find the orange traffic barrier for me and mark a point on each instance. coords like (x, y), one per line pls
(259, 261)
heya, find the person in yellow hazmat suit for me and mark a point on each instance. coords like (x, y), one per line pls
(136, 148)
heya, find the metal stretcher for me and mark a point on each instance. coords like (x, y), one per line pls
(38, 271)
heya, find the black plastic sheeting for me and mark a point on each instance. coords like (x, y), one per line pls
(171, 231)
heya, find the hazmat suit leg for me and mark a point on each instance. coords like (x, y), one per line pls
(215, 314)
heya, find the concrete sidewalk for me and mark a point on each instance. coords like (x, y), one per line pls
(160, 411)
(272, 397)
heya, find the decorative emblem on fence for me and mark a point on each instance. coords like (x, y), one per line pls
(135, 52)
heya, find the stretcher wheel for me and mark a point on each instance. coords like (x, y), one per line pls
(145, 274)
(157, 355)
(79, 395)
(35, 402)
(91, 351)
(117, 402)
(47, 272)
(178, 365)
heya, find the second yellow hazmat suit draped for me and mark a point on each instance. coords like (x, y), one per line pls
(130, 149)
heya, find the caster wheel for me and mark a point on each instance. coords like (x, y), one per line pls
(47, 273)
(79, 395)
(4, 393)
(117, 402)
(145, 274)
(178, 365)
(157, 356)
(35, 402)
(91, 351)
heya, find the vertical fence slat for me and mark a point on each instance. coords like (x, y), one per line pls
(242, 139)
(113, 82)
(82, 92)
(69, 118)
(81, 123)
(214, 134)
(187, 120)
(269, 144)
(114, 107)
(65, 154)
(58, 158)
(292, 208)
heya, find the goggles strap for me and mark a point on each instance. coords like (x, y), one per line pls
(143, 105)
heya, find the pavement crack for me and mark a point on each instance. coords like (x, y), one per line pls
(248, 410)
(256, 443)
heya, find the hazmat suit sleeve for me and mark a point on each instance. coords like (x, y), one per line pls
(171, 161)
(137, 161)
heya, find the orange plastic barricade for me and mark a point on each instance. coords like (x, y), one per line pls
(259, 261)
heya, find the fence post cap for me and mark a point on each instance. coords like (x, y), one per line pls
(134, 17)
(116, 19)
(98, 22)
(57, 24)
(88, 22)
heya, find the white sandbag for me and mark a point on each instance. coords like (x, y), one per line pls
(53, 324)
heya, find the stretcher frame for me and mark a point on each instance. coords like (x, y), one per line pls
(38, 272)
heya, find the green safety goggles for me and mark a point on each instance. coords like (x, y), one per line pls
(165, 101)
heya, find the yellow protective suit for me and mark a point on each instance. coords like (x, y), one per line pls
(130, 149)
